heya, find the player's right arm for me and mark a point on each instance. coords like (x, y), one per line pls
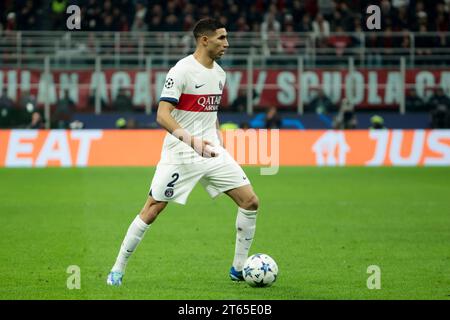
(165, 120)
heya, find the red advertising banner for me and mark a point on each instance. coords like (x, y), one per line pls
(267, 148)
(364, 87)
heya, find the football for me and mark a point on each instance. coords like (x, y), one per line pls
(260, 270)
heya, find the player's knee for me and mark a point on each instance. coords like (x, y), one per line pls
(151, 210)
(149, 215)
(252, 203)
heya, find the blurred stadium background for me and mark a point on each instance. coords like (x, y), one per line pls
(312, 61)
(292, 64)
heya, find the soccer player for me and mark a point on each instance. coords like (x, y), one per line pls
(193, 150)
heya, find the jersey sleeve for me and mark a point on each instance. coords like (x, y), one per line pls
(173, 86)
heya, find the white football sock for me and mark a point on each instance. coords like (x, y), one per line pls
(245, 231)
(134, 235)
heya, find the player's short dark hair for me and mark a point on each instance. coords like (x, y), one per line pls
(206, 26)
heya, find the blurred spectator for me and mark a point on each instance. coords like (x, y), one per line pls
(253, 15)
(438, 98)
(240, 103)
(58, 13)
(64, 109)
(287, 20)
(305, 24)
(27, 101)
(388, 44)
(339, 41)
(273, 119)
(442, 18)
(123, 24)
(233, 15)
(386, 12)
(123, 101)
(373, 44)
(421, 16)
(413, 103)
(5, 118)
(401, 21)
(343, 17)
(327, 7)
(270, 35)
(188, 22)
(440, 117)
(311, 7)
(139, 26)
(27, 16)
(156, 23)
(109, 22)
(91, 101)
(140, 10)
(377, 122)
(92, 14)
(357, 29)
(172, 23)
(6, 102)
(321, 103)
(290, 41)
(424, 44)
(442, 44)
(405, 43)
(37, 122)
(241, 24)
(91, 46)
(2, 14)
(321, 27)
(400, 3)
(298, 12)
(11, 22)
(140, 18)
(346, 117)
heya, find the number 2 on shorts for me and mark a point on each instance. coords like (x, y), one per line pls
(171, 184)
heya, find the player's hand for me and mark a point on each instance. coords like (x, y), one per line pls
(204, 148)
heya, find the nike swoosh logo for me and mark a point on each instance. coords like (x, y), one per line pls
(198, 86)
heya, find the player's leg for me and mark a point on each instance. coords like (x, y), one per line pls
(151, 210)
(224, 175)
(136, 231)
(245, 197)
(248, 204)
(171, 183)
(135, 234)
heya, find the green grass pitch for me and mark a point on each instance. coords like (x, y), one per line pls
(323, 226)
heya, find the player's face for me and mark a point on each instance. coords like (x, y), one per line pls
(218, 44)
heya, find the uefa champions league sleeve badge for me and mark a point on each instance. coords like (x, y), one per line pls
(169, 83)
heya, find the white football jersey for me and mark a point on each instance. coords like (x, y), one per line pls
(196, 92)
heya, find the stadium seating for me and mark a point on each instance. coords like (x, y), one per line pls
(128, 42)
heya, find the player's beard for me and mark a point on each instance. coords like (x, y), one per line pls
(219, 56)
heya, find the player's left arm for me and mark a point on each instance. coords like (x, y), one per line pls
(219, 133)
